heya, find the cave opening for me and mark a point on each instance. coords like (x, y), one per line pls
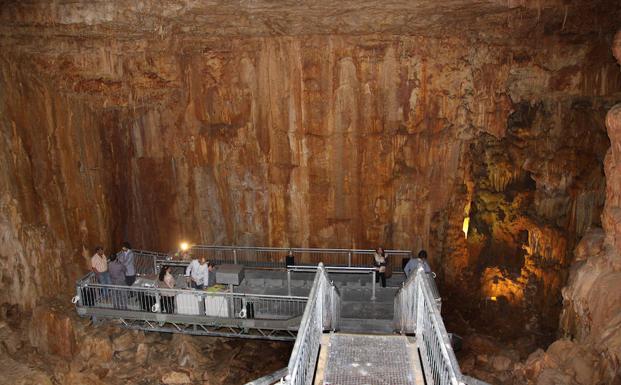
(484, 132)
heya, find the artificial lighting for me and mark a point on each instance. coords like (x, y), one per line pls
(492, 298)
(465, 226)
(184, 246)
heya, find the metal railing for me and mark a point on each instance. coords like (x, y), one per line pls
(145, 261)
(152, 299)
(275, 256)
(321, 313)
(337, 270)
(406, 301)
(416, 311)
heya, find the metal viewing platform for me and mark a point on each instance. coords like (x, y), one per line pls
(268, 303)
(347, 329)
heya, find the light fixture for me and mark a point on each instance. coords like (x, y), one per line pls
(184, 246)
(465, 226)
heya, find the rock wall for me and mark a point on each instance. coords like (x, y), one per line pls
(590, 352)
(116, 125)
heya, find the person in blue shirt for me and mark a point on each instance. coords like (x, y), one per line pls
(414, 263)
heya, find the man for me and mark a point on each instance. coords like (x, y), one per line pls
(126, 257)
(99, 265)
(197, 273)
(414, 263)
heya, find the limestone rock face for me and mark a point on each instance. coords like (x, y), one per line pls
(592, 298)
(116, 125)
(474, 130)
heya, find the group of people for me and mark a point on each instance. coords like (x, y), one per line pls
(380, 261)
(119, 269)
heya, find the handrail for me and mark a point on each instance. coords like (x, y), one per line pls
(269, 379)
(352, 270)
(321, 313)
(275, 256)
(416, 311)
(172, 302)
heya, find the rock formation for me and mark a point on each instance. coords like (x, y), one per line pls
(54, 346)
(472, 129)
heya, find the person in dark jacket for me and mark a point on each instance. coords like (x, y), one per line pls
(117, 271)
(126, 257)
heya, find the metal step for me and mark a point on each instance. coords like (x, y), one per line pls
(366, 326)
(354, 359)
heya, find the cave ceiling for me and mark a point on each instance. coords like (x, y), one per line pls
(493, 20)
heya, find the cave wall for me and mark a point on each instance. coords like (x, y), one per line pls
(320, 140)
(57, 198)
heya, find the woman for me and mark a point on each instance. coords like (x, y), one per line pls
(167, 281)
(380, 260)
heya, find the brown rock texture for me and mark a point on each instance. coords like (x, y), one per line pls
(110, 355)
(347, 124)
(592, 298)
(116, 124)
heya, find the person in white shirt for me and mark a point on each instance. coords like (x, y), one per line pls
(197, 273)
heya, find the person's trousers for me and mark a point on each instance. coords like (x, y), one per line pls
(104, 279)
(196, 286)
(380, 276)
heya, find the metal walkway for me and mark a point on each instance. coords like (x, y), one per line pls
(355, 359)
(355, 334)
(269, 304)
(420, 354)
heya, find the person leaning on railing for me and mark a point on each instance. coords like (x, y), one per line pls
(197, 273)
(414, 263)
(167, 281)
(116, 270)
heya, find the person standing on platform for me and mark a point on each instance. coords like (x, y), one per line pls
(197, 273)
(380, 261)
(99, 265)
(211, 275)
(167, 281)
(126, 257)
(414, 263)
(117, 271)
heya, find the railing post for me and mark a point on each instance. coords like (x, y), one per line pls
(335, 315)
(235, 256)
(373, 285)
(349, 259)
(289, 282)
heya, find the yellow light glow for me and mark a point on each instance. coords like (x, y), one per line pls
(492, 298)
(465, 226)
(184, 246)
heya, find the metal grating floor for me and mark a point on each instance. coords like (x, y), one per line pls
(368, 360)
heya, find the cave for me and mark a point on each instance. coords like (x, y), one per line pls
(484, 132)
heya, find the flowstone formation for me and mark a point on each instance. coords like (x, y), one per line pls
(589, 351)
(474, 130)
